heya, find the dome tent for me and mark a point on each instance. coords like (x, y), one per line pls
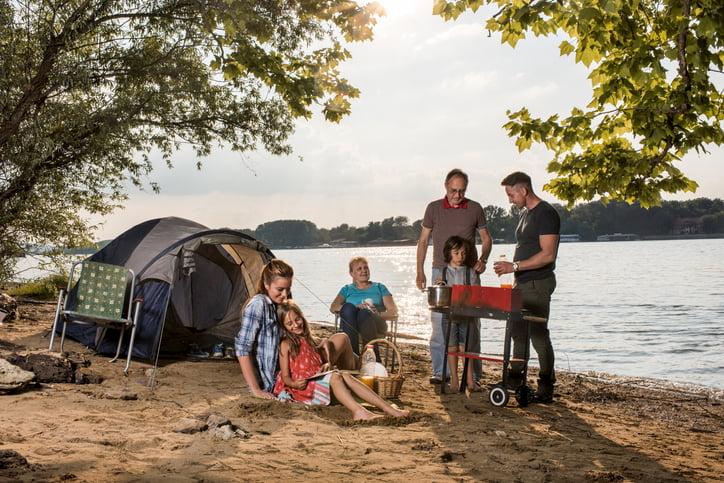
(193, 282)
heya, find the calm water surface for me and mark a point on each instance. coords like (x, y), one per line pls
(642, 308)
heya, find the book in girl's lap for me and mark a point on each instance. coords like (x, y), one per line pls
(300, 360)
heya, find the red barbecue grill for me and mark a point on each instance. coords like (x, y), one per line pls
(492, 303)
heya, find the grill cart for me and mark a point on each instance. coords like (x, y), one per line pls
(496, 303)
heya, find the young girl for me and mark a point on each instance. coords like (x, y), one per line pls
(300, 360)
(257, 343)
(459, 271)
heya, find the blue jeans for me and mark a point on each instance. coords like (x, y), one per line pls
(437, 340)
(361, 325)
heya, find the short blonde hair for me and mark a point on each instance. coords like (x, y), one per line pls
(355, 260)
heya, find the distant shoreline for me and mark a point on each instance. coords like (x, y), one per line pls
(403, 243)
(392, 243)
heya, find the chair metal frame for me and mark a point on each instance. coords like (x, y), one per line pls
(391, 324)
(130, 320)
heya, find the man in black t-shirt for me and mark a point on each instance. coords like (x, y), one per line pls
(533, 264)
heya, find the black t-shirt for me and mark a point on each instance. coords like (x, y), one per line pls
(541, 220)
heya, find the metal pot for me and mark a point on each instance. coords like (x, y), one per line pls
(438, 296)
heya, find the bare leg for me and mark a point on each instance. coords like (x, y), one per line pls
(368, 395)
(452, 364)
(341, 353)
(470, 382)
(343, 395)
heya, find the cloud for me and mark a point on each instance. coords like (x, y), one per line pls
(538, 90)
(459, 31)
(471, 81)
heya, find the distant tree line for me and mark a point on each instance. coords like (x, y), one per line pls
(589, 220)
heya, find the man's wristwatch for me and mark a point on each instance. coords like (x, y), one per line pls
(515, 266)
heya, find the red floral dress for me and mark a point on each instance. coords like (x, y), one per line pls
(307, 363)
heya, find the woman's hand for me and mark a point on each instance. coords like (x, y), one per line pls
(261, 394)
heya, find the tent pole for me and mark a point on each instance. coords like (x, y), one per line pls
(152, 379)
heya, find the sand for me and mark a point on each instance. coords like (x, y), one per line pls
(600, 428)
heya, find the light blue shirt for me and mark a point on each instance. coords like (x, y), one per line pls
(356, 296)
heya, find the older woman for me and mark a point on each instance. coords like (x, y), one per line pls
(363, 306)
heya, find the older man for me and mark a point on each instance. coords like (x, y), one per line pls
(452, 215)
(534, 262)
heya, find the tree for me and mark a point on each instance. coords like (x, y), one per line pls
(651, 64)
(501, 223)
(288, 233)
(91, 87)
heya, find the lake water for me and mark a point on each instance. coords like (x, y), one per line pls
(640, 308)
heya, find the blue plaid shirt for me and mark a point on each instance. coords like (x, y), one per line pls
(259, 337)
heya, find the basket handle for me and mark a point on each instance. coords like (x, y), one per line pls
(394, 348)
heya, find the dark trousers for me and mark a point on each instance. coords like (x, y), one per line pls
(361, 325)
(537, 300)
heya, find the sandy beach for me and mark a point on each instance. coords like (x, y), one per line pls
(600, 428)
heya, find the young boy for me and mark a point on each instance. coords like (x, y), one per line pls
(459, 272)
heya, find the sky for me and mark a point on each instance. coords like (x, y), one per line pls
(433, 98)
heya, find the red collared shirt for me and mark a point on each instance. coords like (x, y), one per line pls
(446, 204)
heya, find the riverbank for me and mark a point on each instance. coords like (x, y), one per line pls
(600, 428)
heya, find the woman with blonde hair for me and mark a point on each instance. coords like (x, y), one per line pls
(363, 306)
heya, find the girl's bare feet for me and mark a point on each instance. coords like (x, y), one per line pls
(399, 413)
(364, 415)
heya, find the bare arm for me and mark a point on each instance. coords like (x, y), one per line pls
(547, 254)
(337, 304)
(390, 308)
(284, 368)
(249, 373)
(487, 245)
(422, 243)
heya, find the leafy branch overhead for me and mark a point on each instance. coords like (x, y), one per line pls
(91, 87)
(654, 67)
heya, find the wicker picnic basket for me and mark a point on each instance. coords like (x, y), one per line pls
(389, 356)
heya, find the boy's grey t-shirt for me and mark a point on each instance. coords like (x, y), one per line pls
(456, 276)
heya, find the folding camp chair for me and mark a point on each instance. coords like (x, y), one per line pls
(391, 327)
(98, 297)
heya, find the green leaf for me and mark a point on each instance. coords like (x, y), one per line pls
(438, 7)
(566, 47)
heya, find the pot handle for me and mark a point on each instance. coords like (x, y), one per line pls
(439, 284)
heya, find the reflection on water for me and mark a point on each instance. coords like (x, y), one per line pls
(642, 308)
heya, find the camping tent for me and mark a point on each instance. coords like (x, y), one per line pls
(193, 282)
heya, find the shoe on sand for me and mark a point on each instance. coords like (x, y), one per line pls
(543, 396)
(196, 353)
(217, 352)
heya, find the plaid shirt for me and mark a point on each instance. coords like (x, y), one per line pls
(259, 337)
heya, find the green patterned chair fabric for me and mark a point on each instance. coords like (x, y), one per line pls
(101, 290)
(102, 293)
